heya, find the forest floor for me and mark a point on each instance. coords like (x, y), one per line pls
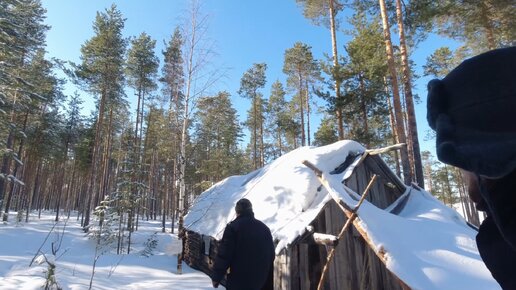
(23, 267)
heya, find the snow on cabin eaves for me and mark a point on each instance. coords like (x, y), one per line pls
(286, 195)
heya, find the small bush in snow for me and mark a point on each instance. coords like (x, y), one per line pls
(150, 246)
(50, 274)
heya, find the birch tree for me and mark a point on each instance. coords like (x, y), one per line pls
(197, 54)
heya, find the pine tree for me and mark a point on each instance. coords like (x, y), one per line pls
(364, 77)
(326, 133)
(102, 73)
(413, 140)
(482, 25)
(302, 71)
(173, 80)
(277, 118)
(398, 114)
(253, 80)
(218, 133)
(325, 12)
(141, 70)
(22, 35)
(443, 60)
(70, 137)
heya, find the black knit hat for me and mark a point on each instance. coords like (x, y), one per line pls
(473, 111)
(243, 206)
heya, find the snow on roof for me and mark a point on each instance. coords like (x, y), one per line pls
(427, 244)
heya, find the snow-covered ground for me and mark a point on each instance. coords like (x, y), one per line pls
(19, 243)
(425, 243)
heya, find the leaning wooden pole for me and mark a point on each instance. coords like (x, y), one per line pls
(351, 213)
(348, 223)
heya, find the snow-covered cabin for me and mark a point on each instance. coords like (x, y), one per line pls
(403, 237)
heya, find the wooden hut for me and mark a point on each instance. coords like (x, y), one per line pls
(357, 263)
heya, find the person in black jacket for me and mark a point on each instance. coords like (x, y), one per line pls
(473, 111)
(247, 250)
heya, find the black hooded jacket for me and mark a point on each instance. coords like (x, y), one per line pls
(496, 237)
(247, 250)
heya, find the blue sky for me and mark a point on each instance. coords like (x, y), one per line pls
(244, 32)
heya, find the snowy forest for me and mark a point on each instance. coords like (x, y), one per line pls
(150, 161)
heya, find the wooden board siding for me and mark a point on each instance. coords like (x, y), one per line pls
(354, 267)
(282, 271)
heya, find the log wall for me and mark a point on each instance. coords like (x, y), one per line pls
(194, 252)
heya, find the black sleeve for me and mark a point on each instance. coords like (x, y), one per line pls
(224, 254)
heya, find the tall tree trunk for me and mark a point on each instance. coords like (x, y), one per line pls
(69, 190)
(6, 160)
(255, 129)
(392, 122)
(173, 198)
(15, 172)
(93, 191)
(336, 76)
(396, 94)
(280, 145)
(262, 147)
(164, 200)
(184, 131)
(32, 195)
(106, 156)
(307, 114)
(409, 100)
(449, 192)
(301, 110)
(364, 108)
(60, 183)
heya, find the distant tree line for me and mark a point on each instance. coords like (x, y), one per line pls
(151, 161)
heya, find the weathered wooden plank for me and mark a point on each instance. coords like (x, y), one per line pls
(304, 274)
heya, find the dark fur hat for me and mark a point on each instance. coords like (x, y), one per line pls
(243, 206)
(473, 111)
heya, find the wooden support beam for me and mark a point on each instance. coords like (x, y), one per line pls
(385, 149)
(325, 239)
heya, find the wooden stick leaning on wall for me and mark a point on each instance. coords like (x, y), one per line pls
(348, 223)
